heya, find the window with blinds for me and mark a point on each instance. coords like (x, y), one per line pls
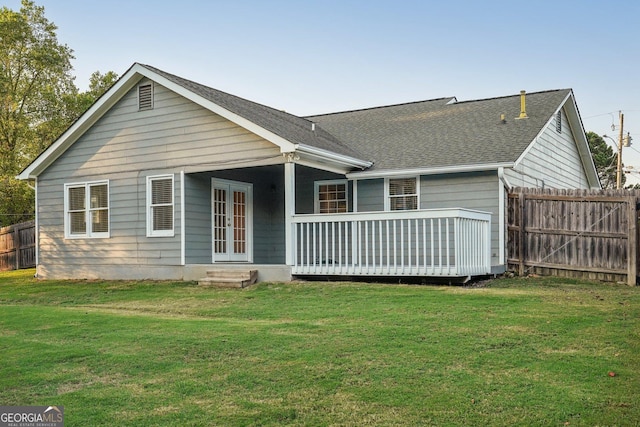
(145, 97)
(331, 197)
(87, 210)
(403, 194)
(160, 206)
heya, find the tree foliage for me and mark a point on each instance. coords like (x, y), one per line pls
(38, 99)
(605, 159)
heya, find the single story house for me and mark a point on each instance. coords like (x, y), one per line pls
(165, 178)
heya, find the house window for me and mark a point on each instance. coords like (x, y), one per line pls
(331, 196)
(86, 210)
(402, 194)
(559, 122)
(160, 206)
(145, 97)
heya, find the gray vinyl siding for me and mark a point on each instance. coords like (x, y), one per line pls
(551, 161)
(198, 245)
(127, 244)
(477, 191)
(126, 146)
(370, 195)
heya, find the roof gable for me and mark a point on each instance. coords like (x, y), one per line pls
(289, 132)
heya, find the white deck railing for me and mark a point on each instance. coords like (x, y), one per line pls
(436, 242)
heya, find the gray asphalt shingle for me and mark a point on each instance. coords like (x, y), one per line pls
(440, 133)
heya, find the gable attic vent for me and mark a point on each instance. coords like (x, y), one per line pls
(559, 121)
(145, 97)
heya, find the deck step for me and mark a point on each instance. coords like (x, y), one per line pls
(229, 278)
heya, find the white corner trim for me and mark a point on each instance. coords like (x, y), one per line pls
(183, 222)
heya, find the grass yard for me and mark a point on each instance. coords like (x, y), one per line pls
(514, 352)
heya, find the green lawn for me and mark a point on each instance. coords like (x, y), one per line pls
(514, 352)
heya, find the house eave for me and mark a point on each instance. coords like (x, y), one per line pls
(339, 159)
(428, 171)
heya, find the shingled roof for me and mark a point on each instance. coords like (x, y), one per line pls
(433, 134)
(442, 132)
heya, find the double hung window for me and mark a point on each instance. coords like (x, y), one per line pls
(86, 208)
(331, 196)
(160, 207)
(402, 194)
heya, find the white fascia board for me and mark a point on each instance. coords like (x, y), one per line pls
(284, 144)
(84, 122)
(334, 157)
(577, 129)
(428, 171)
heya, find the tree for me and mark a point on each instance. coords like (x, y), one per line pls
(34, 76)
(605, 160)
(38, 100)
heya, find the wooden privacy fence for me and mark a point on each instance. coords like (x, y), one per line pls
(18, 246)
(574, 233)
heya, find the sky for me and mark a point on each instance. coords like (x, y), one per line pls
(311, 57)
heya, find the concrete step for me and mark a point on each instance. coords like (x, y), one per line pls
(229, 278)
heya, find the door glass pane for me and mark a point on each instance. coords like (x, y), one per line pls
(220, 220)
(239, 222)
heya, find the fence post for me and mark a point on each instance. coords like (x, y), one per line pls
(632, 241)
(16, 244)
(521, 200)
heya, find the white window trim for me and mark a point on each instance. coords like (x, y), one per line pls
(387, 200)
(316, 192)
(160, 233)
(89, 234)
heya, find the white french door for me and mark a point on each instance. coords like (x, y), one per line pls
(231, 207)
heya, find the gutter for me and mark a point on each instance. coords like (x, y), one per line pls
(338, 158)
(428, 171)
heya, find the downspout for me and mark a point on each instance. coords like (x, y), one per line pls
(35, 188)
(504, 187)
(503, 178)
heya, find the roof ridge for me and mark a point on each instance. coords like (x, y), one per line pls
(510, 96)
(379, 107)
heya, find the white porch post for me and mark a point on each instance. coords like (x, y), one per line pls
(289, 210)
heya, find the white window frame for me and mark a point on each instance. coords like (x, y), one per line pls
(316, 193)
(88, 234)
(387, 195)
(160, 233)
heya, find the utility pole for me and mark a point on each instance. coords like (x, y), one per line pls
(619, 170)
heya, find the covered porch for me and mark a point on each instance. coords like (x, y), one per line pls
(274, 226)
